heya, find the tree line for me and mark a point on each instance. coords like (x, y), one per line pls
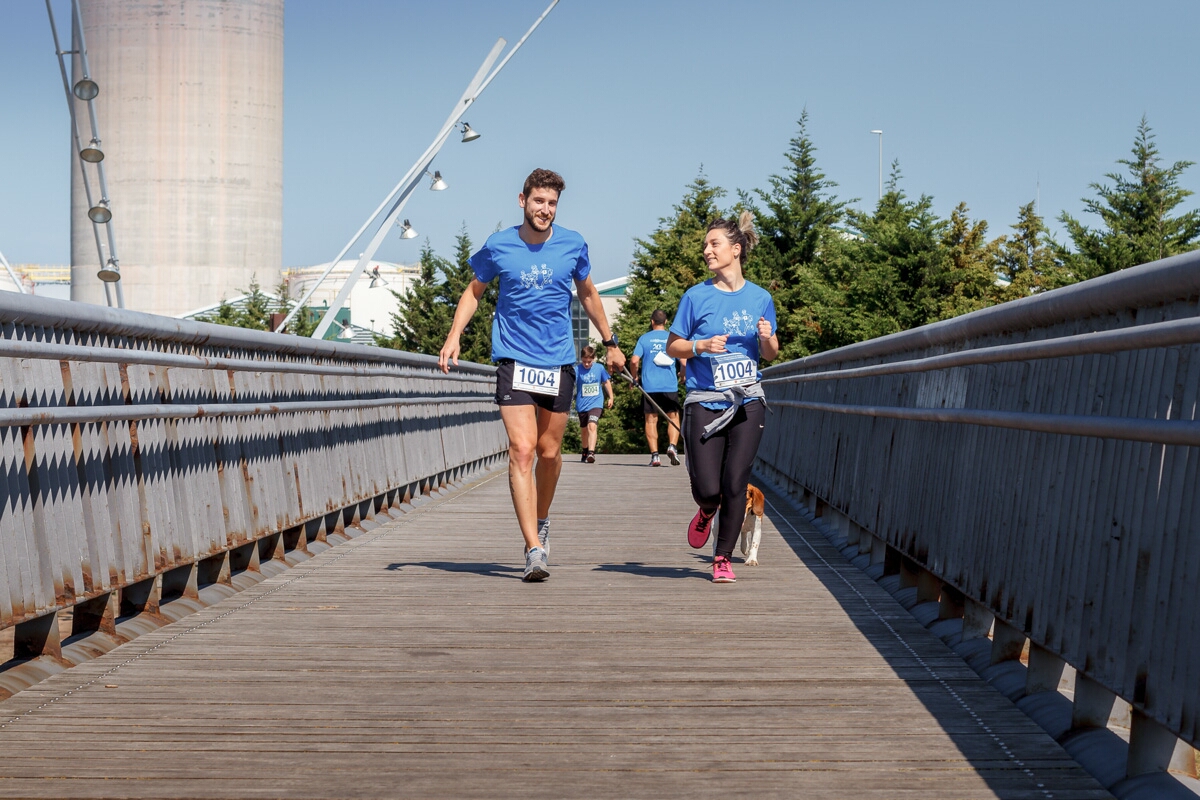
(839, 274)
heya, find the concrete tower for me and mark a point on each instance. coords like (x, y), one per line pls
(191, 116)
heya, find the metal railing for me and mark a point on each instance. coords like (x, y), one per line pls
(1035, 462)
(145, 455)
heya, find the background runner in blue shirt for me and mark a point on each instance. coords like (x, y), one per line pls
(655, 370)
(723, 326)
(590, 379)
(536, 264)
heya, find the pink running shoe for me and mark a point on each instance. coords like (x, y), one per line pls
(723, 571)
(698, 530)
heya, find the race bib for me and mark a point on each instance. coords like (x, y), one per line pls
(536, 379)
(733, 369)
(591, 390)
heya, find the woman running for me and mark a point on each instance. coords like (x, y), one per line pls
(724, 326)
(590, 378)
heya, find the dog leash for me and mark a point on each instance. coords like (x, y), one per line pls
(625, 374)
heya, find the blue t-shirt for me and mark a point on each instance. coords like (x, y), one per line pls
(589, 386)
(533, 312)
(654, 377)
(705, 311)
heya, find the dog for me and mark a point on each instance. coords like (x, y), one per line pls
(752, 524)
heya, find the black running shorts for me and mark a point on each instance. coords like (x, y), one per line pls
(506, 395)
(591, 415)
(667, 401)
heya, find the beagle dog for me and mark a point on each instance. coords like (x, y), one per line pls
(752, 524)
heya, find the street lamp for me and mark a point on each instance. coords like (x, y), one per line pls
(438, 184)
(469, 135)
(406, 231)
(880, 134)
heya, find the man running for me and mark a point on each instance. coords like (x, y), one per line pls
(658, 380)
(536, 263)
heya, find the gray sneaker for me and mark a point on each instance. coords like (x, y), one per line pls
(673, 455)
(544, 537)
(535, 565)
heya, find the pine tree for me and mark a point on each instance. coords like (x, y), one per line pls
(967, 280)
(797, 259)
(476, 340)
(1135, 214)
(1026, 259)
(421, 322)
(896, 253)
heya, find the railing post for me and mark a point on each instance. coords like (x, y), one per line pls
(1093, 704)
(1045, 670)
(977, 620)
(38, 637)
(1007, 642)
(1151, 746)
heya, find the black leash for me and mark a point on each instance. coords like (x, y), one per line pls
(625, 374)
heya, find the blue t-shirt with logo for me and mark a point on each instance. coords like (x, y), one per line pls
(706, 311)
(533, 312)
(589, 386)
(654, 377)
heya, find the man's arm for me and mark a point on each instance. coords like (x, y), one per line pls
(589, 298)
(635, 367)
(462, 315)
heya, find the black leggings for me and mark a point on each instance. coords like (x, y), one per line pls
(720, 467)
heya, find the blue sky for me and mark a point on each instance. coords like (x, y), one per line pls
(979, 102)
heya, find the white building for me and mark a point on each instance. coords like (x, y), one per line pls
(371, 303)
(612, 297)
(40, 280)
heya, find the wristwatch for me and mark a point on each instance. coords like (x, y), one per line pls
(610, 342)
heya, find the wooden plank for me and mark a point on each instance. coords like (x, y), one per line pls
(413, 661)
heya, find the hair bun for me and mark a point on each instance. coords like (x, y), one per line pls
(746, 226)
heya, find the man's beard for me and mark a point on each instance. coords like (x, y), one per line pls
(533, 223)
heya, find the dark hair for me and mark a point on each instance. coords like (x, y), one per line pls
(543, 179)
(659, 317)
(741, 232)
(587, 352)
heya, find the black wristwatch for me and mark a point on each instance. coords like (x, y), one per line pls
(610, 342)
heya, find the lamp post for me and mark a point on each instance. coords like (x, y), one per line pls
(880, 134)
(404, 189)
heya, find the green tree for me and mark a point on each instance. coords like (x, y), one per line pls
(1135, 215)
(421, 321)
(897, 251)
(254, 312)
(966, 279)
(476, 340)
(801, 226)
(305, 322)
(1027, 258)
(665, 265)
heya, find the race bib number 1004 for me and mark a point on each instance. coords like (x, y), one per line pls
(733, 369)
(536, 379)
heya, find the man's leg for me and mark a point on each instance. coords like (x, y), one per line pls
(673, 430)
(652, 431)
(521, 425)
(550, 427)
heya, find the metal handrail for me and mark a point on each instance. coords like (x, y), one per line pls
(12, 348)
(10, 417)
(1158, 334)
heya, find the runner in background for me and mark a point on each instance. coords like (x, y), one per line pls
(655, 370)
(537, 262)
(723, 327)
(590, 377)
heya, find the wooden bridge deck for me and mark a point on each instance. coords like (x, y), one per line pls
(413, 662)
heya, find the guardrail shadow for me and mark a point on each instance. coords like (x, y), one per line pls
(973, 736)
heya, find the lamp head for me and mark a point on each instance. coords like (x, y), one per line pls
(469, 135)
(86, 89)
(438, 184)
(92, 153)
(99, 213)
(406, 231)
(109, 273)
(879, 132)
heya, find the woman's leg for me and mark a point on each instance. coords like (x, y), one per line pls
(743, 436)
(704, 457)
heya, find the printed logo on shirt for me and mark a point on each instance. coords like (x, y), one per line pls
(537, 277)
(740, 324)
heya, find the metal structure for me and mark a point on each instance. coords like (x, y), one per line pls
(1031, 467)
(82, 88)
(404, 189)
(8, 268)
(191, 98)
(147, 458)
